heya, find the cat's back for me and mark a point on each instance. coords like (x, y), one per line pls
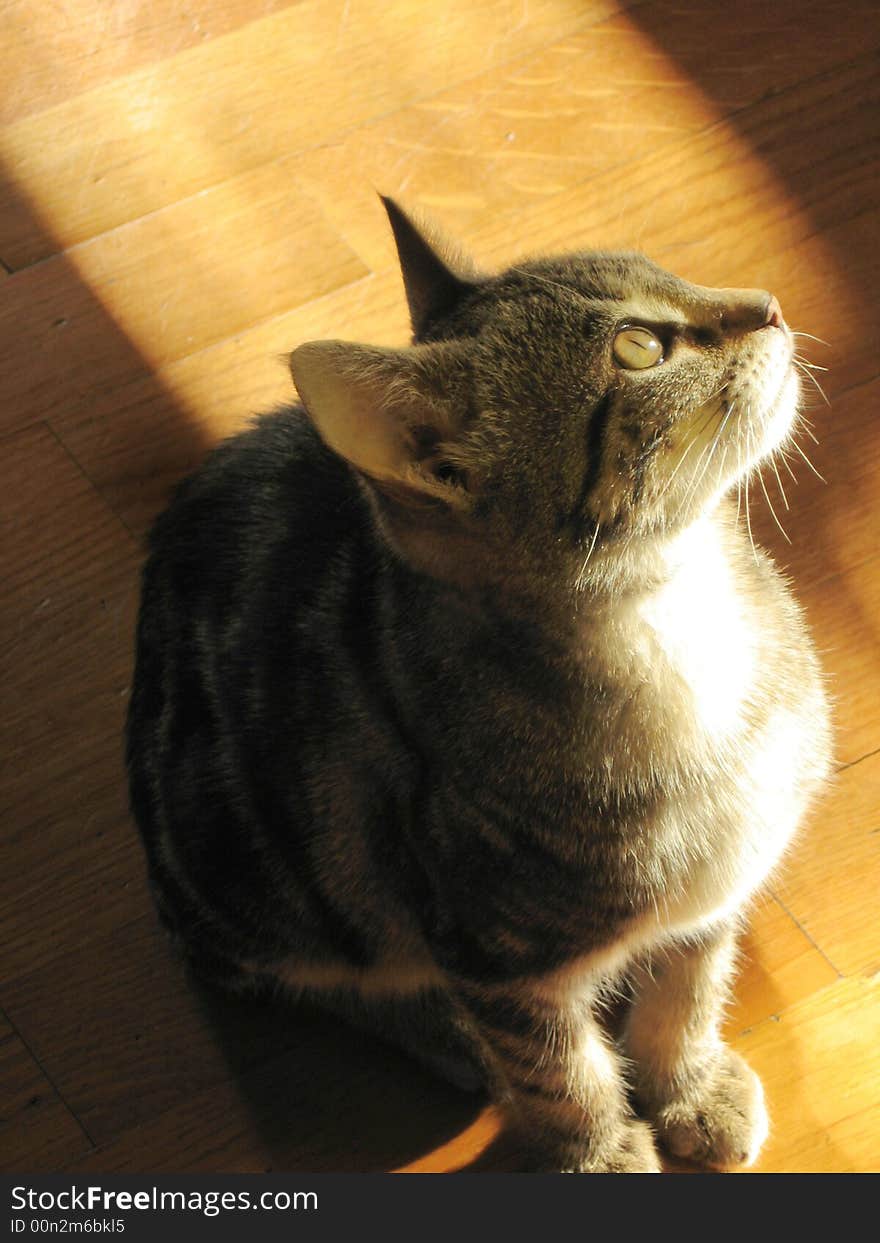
(254, 648)
(272, 490)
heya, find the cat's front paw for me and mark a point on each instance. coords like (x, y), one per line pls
(632, 1152)
(722, 1122)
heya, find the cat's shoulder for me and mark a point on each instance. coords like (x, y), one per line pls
(264, 454)
(274, 473)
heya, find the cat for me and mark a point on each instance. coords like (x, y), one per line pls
(462, 700)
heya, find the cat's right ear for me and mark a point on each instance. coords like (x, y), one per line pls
(434, 280)
(390, 413)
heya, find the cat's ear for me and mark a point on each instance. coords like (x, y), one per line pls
(434, 280)
(390, 413)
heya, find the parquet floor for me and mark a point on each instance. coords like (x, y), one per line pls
(188, 191)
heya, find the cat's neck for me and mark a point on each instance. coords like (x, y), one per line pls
(618, 584)
(560, 614)
(644, 564)
(679, 641)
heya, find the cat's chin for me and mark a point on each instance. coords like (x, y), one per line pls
(779, 421)
(774, 427)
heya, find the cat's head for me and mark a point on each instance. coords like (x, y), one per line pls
(557, 417)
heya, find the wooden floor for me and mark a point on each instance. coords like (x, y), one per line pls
(188, 192)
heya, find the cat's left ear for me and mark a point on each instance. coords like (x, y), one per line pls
(395, 415)
(435, 279)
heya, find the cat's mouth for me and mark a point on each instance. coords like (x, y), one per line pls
(783, 420)
(751, 417)
(771, 403)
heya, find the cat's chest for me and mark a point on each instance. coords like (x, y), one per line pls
(704, 714)
(717, 842)
(696, 649)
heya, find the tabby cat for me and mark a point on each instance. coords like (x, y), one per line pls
(462, 699)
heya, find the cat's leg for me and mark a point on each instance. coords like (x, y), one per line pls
(704, 1101)
(559, 1079)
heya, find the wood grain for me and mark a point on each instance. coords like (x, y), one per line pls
(843, 611)
(68, 859)
(57, 51)
(136, 441)
(37, 1130)
(134, 1038)
(289, 1114)
(820, 1063)
(830, 885)
(173, 282)
(513, 139)
(779, 965)
(188, 193)
(145, 139)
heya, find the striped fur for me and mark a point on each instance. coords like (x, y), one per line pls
(460, 699)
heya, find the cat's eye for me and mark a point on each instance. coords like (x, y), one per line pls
(637, 348)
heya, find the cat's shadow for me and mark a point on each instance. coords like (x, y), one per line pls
(318, 1095)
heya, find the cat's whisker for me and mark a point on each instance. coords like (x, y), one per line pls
(809, 375)
(724, 457)
(700, 473)
(747, 483)
(804, 362)
(589, 552)
(787, 464)
(799, 450)
(721, 463)
(719, 433)
(810, 337)
(714, 396)
(809, 402)
(749, 522)
(779, 481)
(686, 500)
(545, 280)
(770, 505)
(738, 485)
(693, 440)
(698, 435)
(678, 466)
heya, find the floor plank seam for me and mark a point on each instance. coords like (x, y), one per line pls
(368, 123)
(65, 448)
(256, 324)
(840, 975)
(852, 763)
(335, 140)
(733, 141)
(31, 207)
(829, 72)
(784, 1012)
(819, 231)
(54, 1086)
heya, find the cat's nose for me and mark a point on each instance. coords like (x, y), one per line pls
(773, 314)
(746, 310)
